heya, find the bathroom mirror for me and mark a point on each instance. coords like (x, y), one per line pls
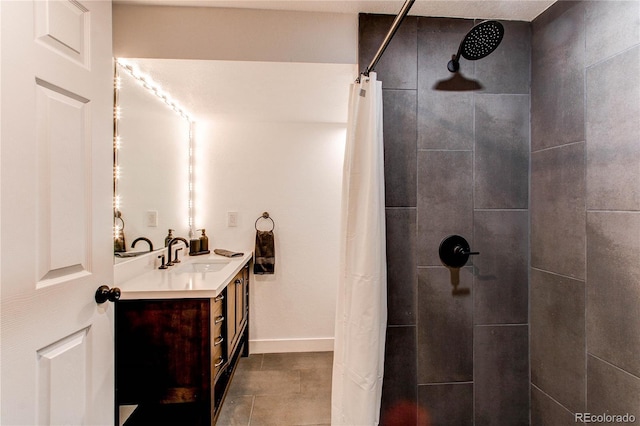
(151, 156)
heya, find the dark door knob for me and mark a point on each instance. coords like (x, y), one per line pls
(104, 293)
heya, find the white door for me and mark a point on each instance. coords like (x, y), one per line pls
(55, 211)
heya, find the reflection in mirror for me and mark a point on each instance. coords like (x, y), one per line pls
(152, 145)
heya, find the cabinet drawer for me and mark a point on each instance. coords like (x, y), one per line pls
(217, 362)
(218, 337)
(216, 304)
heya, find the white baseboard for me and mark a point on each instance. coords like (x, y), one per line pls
(267, 346)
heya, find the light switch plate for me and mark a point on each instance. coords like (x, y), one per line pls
(151, 218)
(232, 219)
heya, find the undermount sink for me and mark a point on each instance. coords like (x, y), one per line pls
(201, 266)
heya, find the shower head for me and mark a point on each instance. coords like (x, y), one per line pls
(483, 39)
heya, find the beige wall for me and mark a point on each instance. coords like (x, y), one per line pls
(234, 34)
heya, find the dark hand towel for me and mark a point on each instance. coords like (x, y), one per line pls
(228, 253)
(265, 253)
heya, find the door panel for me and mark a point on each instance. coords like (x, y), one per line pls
(56, 212)
(63, 380)
(62, 120)
(64, 26)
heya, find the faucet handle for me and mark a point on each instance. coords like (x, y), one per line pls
(176, 260)
(163, 266)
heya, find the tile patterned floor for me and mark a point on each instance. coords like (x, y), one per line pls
(280, 389)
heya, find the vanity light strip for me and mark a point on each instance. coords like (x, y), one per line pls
(148, 83)
(154, 88)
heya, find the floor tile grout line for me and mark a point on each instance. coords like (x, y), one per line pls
(253, 403)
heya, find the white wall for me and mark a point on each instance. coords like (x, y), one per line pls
(234, 34)
(293, 171)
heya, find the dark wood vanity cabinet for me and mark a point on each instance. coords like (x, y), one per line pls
(175, 357)
(237, 307)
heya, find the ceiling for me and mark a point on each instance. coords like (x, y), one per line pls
(519, 10)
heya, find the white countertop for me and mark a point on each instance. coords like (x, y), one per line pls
(172, 284)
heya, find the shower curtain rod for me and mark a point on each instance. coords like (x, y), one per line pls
(394, 27)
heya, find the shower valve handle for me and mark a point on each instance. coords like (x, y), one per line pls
(462, 250)
(454, 251)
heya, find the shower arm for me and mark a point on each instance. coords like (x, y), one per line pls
(454, 63)
(392, 31)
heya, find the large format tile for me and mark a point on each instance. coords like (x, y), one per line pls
(501, 284)
(445, 119)
(502, 152)
(291, 409)
(280, 389)
(315, 380)
(252, 362)
(547, 412)
(445, 327)
(402, 275)
(558, 338)
(448, 404)
(397, 68)
(445, 200)
(557, 79)
(611, 390)
(613, 290)
(611, 27)
(501, 375)
(297, 360)
(236, 410)
(507, 69)
(557, 210)
(400, 147)
(268, 382)
(558, 34)
(613, 133)
(399, 388)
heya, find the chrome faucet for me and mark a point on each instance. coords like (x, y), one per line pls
(173, 240)
(133, 244)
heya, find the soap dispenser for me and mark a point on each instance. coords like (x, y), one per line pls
(204, 241)
(168, 238)
(194, 244)
(119, 246)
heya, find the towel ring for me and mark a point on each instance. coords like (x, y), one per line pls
(118, 216)
(265, 215)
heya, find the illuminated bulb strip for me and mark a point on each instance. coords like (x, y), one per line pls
(154, 88)
(191, 180)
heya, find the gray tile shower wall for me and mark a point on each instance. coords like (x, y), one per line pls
(585, 211)
(540, 171)
(455, 163)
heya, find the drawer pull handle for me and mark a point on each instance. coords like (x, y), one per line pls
(219, 319)
(219, 298)
(219, 340)
(238, 281)
(219, 363)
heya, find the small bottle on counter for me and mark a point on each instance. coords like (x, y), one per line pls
(194, 245)
(168, 238)
(204, 241)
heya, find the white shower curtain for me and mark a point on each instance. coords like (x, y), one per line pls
(361, 309)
